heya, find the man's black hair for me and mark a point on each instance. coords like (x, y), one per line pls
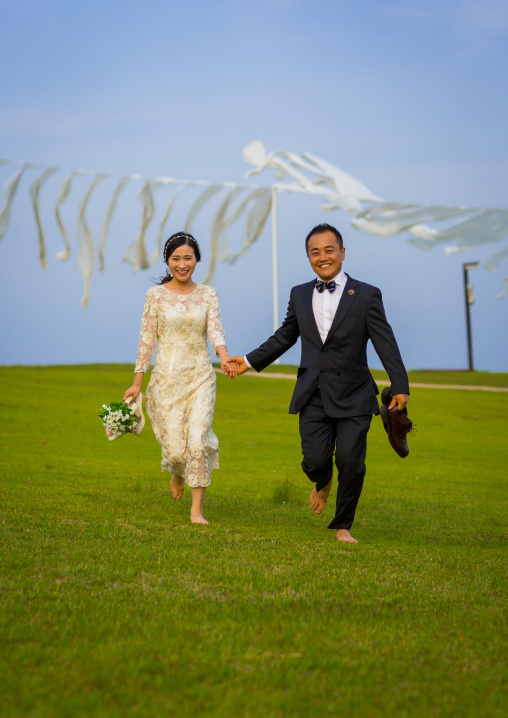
(320, 229)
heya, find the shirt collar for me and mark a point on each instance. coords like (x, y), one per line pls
(341, 278)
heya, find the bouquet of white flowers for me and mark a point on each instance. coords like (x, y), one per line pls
(121, 418)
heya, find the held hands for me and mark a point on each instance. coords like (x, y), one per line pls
(239, 361)
(229, 367)
(400, 400)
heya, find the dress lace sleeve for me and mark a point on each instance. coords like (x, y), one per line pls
(215, 329)
(148, 333)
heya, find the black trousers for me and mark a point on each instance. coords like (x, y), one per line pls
(321, 436)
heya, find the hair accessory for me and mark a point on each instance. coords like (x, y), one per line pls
(171, 239)
(189, 239)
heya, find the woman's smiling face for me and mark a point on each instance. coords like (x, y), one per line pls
(182, 263)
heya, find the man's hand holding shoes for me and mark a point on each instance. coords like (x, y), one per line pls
(400, 400)
(395, 420)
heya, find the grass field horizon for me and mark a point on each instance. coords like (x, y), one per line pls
(430, 376)
(113, 604)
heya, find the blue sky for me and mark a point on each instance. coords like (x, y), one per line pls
(409, 97)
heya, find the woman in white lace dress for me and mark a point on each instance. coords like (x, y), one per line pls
(179, 314)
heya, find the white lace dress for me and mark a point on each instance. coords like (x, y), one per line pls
(181, 391)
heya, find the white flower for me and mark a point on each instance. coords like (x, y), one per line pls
(118, 421)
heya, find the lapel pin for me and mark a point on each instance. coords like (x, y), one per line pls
(351, 292)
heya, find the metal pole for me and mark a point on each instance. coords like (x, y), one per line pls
(468, 300)
(274, 264)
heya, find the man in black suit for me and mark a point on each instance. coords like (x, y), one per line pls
(335, 394)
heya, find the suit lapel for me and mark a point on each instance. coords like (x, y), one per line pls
(345, 303)
(308, 290)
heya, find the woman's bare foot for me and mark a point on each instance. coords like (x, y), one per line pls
(177, 486)
(318, 499)
(344, 536)
(196, 512)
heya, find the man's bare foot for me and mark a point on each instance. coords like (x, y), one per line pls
(198, 519)
(344, 536)
(177, 486)
(318, 499)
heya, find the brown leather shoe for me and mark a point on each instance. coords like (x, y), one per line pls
(397, 424)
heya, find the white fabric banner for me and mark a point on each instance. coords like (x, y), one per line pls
(495, 260)
(198, 205)
(157, 250)
(136, 254)
(9, 192)
(218, 226)
(86, 249)
(255, 222)
(505, 290)
(35, 189)
(369, 213)
(103, 233)
(63, 193)
(462, 229)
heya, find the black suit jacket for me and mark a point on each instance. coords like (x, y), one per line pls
(339, 365)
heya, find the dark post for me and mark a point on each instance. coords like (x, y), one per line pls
(469, 299)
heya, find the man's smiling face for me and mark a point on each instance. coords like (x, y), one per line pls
(325, 255)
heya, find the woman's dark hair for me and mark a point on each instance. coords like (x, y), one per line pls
(321, 229)
(175, 241)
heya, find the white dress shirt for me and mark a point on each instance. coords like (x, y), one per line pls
(324, 306)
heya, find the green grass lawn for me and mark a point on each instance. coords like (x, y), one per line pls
(113, 604)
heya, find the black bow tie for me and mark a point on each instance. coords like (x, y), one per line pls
(320, 285)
